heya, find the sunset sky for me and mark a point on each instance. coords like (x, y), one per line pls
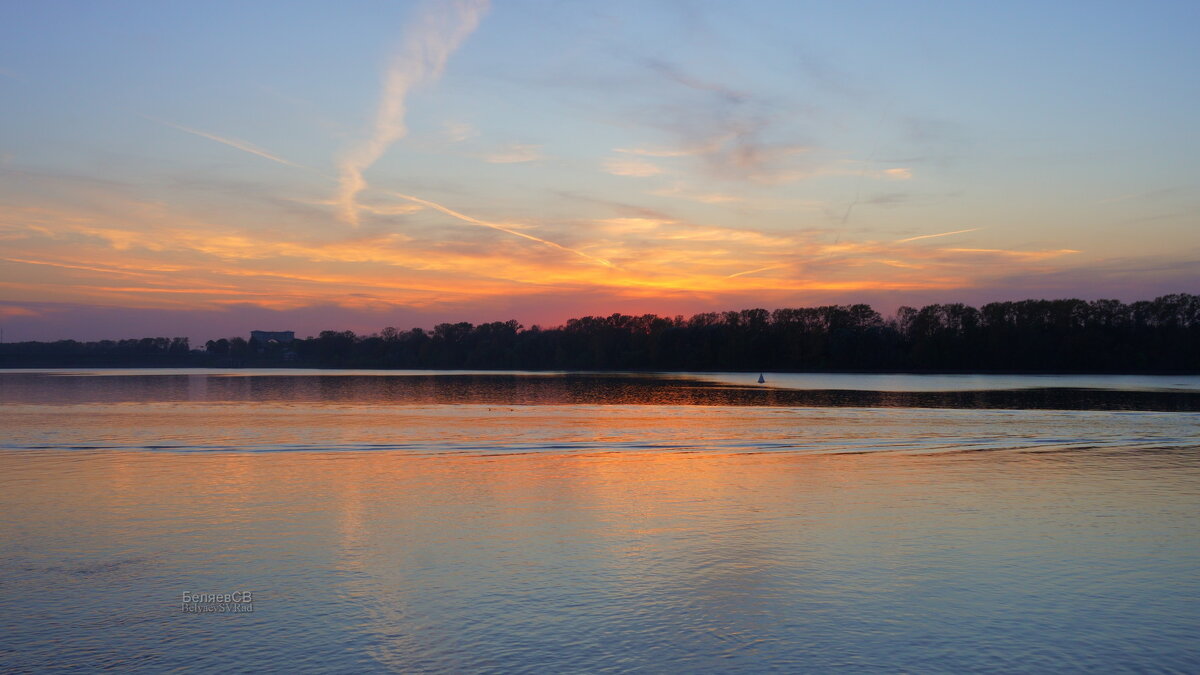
(205, 169)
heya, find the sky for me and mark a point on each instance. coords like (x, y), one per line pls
(205, 169)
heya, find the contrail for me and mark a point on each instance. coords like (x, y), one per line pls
(761, 269)
(231, 142)
(106, 270)
(427, 45)
(940, 234)
(246, 147)
(496, 226)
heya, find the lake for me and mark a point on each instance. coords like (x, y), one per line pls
(362, 521)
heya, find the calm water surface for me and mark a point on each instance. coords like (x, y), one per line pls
(582, 523)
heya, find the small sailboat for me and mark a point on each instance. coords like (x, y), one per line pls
(760, 379)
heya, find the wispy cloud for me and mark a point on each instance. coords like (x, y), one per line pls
(729, 132)
(702, 148)
(675, 74)
(515, 153)
(682, 192)
(865, 170)
(427, 45)
(632, 167)
(736, 153)
(457, 132)
(631, 225)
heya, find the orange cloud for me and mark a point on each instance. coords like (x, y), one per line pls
(14, 310)
(147, 254)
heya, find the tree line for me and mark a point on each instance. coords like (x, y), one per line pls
(1102, 336)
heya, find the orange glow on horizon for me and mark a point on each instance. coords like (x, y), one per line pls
(172, 254)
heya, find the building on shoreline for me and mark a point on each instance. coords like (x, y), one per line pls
(266, 337)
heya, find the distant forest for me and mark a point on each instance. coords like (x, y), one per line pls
(1063, 336)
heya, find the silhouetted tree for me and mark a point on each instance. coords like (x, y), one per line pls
(1160, 335)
